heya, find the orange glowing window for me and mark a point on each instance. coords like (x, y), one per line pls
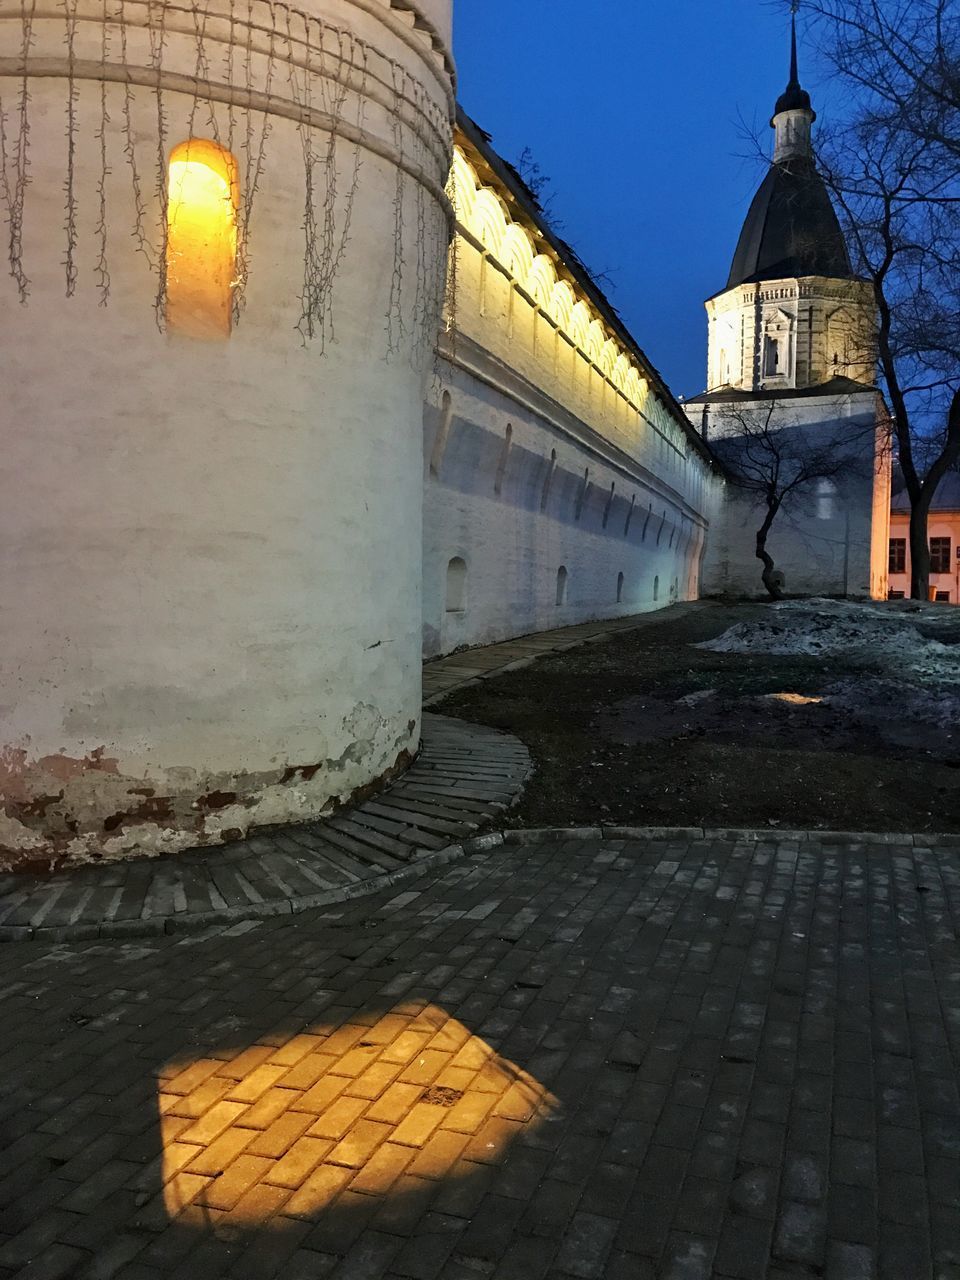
(202, 201)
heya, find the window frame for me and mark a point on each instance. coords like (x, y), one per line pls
(941, 556)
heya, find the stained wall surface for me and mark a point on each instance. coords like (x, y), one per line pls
(561, 482)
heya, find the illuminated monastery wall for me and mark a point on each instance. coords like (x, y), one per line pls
(211, 546)
(561, 484)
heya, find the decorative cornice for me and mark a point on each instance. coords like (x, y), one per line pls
(83, 69)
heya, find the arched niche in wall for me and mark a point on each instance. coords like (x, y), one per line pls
(541, 281)
(456, 595)
(489, 222)
(443, 432)
(594, 341)
(518, 251)
(201, 249)
(562, 302)
(620, 582)
(562, 577)
(579, 325)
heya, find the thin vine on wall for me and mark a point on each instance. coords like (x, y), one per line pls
(260, 59)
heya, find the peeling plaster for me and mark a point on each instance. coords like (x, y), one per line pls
(96, 813)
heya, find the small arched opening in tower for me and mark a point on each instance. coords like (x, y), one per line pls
(201, 258)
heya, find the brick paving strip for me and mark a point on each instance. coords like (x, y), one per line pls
(672, 1055)
(461, 670)
(464, 776)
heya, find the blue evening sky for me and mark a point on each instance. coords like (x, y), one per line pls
(635, 109)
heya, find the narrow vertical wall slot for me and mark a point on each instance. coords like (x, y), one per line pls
(607, 509)
(562, 585)
(504, 458)
(629, 519)
(443, 431)
(201, 258)
(456, 585)
(583, 493)
(548, 480)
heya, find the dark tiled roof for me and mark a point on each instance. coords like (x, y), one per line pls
(946, 498)
(835, 387)
(791, 229)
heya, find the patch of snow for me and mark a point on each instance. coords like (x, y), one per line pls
(875, 635)
(698, 695)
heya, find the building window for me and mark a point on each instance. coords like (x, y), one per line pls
(898, 555)
(771, 357)
(619, 588)
(202, 203)
(939, 555)
(825, 494)
(656, 587)
(456, 585)
(562, 585)
(895, 595)
(942, 597)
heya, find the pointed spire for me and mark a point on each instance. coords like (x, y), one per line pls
(794, 78)
(793, 129)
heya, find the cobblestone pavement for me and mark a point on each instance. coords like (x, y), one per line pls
(459, 670)
(570, 1058)
(464, 776)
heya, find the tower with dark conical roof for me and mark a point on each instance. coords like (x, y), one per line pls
(793, 314)
(790, 350)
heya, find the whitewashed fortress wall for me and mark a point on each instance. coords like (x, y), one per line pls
(831, 540)
(211, 492)
(562, 482)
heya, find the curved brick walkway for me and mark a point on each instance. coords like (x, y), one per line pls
(464, 776)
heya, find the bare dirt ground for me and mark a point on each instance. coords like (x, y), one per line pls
(809, 714)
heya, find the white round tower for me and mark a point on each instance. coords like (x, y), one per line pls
(226, 233)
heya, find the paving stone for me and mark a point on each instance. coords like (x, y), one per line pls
(849, 1262)
(743, 1251)
(800, 1233)
(586, 1244)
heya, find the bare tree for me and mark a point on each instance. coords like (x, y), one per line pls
(893, 166)
(781, 464)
